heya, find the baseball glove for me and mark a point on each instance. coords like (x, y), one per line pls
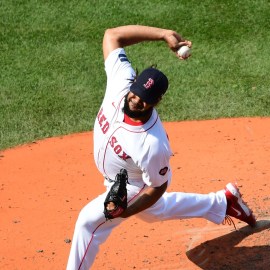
(116, 200)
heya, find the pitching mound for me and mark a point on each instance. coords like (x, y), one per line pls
(43, 186)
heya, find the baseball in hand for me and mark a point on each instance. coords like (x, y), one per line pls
(184, 52)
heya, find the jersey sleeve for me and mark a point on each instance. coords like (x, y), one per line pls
(120, 73)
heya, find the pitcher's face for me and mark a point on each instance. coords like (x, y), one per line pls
(135, 107)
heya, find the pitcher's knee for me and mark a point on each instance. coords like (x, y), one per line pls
(89, 221)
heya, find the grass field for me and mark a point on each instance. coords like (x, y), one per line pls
(52, 76)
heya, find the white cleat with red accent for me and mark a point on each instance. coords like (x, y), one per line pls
(236, 207)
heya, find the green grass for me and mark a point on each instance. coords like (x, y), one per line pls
(52, 75)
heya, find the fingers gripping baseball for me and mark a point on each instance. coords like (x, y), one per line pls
(116, 200)
(176, 42)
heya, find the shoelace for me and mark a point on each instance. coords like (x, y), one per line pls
(229, 221)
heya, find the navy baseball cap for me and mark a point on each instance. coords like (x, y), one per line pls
(150, 85)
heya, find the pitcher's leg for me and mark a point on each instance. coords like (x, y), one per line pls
(179, 205)
(91, 230)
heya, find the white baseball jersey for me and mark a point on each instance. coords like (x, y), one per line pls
(143, 150)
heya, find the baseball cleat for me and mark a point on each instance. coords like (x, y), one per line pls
(236, 207)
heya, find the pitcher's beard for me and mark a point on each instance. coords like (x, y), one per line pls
(135, 114)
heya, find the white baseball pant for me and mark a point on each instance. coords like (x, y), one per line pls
(92, 229)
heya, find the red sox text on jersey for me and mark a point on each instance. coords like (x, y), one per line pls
(104, 125)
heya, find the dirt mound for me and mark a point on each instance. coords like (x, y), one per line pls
(43, 186)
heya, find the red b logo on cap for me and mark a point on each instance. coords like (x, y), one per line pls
(149, 83)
